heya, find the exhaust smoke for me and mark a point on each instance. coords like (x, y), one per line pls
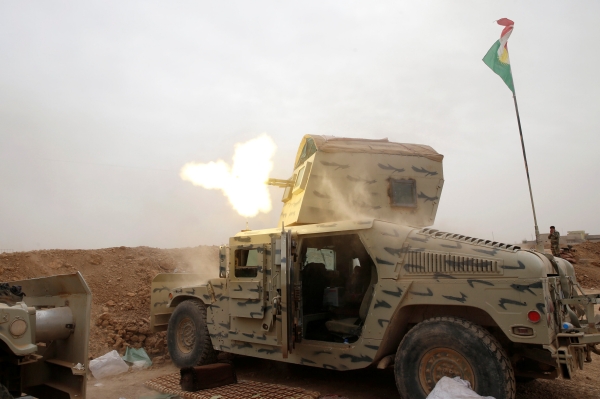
(243, 183)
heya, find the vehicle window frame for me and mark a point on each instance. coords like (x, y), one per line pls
(407, 182)
(246, 271)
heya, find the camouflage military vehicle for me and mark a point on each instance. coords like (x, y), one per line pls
(355, 277)
(44, 332)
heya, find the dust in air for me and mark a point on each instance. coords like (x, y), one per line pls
(243, 183)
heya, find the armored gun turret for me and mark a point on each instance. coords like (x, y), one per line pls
(342, 178)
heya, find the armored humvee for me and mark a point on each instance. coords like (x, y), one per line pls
(355, 277)
(44, 333)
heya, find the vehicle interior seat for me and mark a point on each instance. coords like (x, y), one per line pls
(351, 326)
(314, 282)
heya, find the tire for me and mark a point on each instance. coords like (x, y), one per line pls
(188, 339)
(452, 347)
(4, 394)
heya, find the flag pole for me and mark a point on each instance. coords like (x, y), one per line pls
(538, 244)
(497, 59)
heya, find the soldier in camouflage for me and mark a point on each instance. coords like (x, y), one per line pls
(554, 237)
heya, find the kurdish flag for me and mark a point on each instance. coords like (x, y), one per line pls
(497, 57)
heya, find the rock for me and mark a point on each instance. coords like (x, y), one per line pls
(147, 262)
(111, 303)
(95, 259)
(166, 264)
(158, 360)
(150, 341)
(55, 264)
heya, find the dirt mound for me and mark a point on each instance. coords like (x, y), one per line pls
(119, 279)
(586, 261)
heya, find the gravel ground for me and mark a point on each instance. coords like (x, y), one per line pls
(358, 384)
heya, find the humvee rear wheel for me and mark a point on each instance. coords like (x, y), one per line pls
(188, 339)
(452, 347)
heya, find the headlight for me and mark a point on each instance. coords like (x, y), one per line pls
(18, 328)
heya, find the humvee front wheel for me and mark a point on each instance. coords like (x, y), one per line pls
(188, 339)
(452, 347)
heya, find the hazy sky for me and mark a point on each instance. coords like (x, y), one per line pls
(101, 103)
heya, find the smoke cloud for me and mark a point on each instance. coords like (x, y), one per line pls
(243, 183)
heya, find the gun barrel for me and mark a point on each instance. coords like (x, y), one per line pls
(280, 183)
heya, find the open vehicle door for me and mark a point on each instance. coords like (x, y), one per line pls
(284, 261)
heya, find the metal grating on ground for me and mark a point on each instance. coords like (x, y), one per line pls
(242, 390)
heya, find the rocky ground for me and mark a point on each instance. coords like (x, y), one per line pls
(587, 264)
(120, 282)
(357, 384)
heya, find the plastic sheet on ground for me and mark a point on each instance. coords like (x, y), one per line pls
(107, 365)
(138, 357)
(454, 388)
